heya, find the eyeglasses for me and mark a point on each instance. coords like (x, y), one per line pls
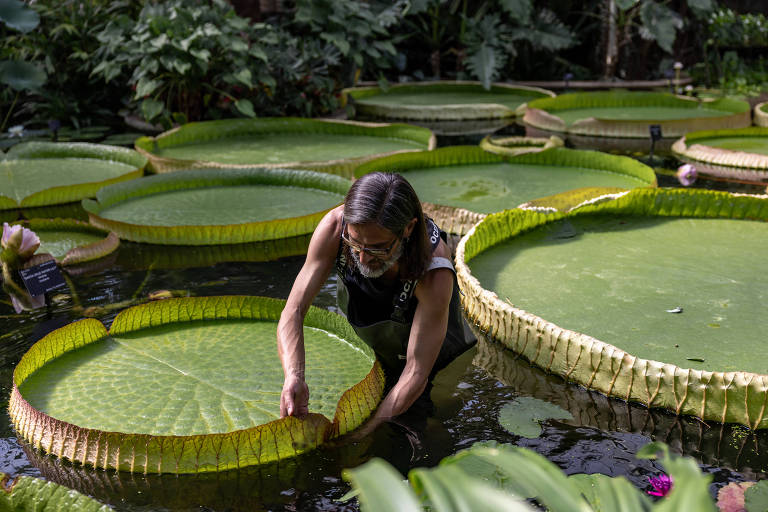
(374, 252)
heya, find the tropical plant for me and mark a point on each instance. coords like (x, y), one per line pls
(730, 29)
(63, 46)
(16, 73)
(499, 477)
(358, 30)
(650, 20)
(484, 37)
(182, 58)
(493, 36)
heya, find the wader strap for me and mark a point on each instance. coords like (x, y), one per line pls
(402, 300)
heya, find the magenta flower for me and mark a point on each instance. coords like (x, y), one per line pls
(662, 485)
(686, 175)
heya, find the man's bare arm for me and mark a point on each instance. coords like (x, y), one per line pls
(428, 330)
(321, 255)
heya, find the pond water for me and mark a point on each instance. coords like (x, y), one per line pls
(603, 436)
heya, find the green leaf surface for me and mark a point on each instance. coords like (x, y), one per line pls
(245, 107)
(546, 33)
(20, 75)
(645, 347)
(189, 385)
(46, 173)
(447, 488)
(523, 416)
(661, 22)
(190, 379)
(442, 100)
(244, 77)
(702, 6)
(217, 206)
(530, 474)
(606, 494)
(756, 497)
(151, 108)
(18, 16)
(520, 10)
(633, 270)
(145, 87)
(286, 142)
(28, 494)
(147, 256)
(469, 178)
(690, 488)
(284, 147)
(483, 63)
(382, 488)
(626, 4)
(222, 205)
(628, 113)
(59, 237)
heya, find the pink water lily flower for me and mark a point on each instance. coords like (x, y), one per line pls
(662, 485)
(686, 175)
(22, 241)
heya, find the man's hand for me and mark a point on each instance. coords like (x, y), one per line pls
(294, 400)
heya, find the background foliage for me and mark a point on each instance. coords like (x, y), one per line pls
(163, 63)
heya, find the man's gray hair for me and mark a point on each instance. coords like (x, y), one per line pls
(387, 199)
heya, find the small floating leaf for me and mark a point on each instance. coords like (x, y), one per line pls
(678, 309)
(523, 416)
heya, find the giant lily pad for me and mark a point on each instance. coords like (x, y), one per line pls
(188, 385)
(656, 301)
(761, 114)
(725, 445)
(442, 100)
(329, 145)
(28, 494)
(461, 184)
(36, 174)
(628, 114)
(148, 256)
(217, 206)
(515, 145)
(741, 153)
(71, 241)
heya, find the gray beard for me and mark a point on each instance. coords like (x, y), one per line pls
(373, 273)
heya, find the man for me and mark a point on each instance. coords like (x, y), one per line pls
(396, 284)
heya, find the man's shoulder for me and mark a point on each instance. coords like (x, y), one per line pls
(333, 219)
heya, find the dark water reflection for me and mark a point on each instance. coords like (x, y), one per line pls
(603, 436)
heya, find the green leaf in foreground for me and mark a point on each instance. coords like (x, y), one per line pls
(27, 494)
(756, 497)
(382, 488)
(606, 494)
(452, 486)
(523, 416)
